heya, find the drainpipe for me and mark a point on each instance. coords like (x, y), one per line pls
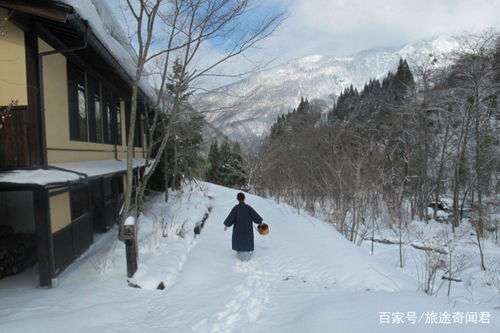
(115, 147)
(41, 95)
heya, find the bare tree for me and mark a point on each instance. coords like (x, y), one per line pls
(188, 25)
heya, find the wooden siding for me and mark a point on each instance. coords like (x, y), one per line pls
(14, 140)
(12, 64)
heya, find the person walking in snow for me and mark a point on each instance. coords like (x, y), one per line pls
(241, 218)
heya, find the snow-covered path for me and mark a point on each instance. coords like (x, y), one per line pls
(304, 277)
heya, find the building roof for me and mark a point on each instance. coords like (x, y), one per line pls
(107, 28)
(64, 24)
(100, 168)
(37, 177)
(66, 173)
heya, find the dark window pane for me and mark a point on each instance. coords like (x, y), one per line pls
(143, 131)
(127, 120)
(106, 119)
(108, 189)
(118, 123)
(98, 117)
(138, 130)
(77, 99)
(95, 109)
(109, 115)
(79, 203)
(82, 112)
(119, 181)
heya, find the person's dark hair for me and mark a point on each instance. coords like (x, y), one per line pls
(240, 197)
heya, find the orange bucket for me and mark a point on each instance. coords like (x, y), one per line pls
(263, 229)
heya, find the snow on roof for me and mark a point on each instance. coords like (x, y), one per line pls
(51, 176)
(108, 29)
(100, 168)
(38, 176)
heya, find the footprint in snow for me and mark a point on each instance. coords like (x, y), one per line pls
(247, 303)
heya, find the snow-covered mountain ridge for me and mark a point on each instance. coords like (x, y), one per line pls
(245, 110)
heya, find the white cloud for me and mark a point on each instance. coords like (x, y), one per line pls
(343, 27)
(406, 18)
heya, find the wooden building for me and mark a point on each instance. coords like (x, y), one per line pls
(64, 98)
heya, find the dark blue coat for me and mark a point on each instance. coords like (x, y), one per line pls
(241, 218)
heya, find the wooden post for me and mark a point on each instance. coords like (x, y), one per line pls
(130, 235)
(43, 236)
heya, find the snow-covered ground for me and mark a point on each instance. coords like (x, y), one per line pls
(304, 277)
(474, 285)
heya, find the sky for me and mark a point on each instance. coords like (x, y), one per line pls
(344, 27)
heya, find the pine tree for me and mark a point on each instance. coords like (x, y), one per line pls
(226, 165)
(238, 176)
(224, 168)
(178, 82)
(181, 155)
(347, 104)
(213, 160)
(403, 83)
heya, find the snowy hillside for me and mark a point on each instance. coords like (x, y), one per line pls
(246, 109)
(304, 277)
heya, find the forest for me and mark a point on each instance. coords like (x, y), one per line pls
(419, 144)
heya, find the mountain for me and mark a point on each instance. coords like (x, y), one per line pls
(245, 110)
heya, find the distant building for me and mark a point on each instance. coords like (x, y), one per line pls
(63, 140)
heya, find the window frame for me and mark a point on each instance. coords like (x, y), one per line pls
(104, 130)
(96, 134)
(75, 75)
(118, 121)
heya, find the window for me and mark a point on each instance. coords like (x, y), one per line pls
(82, 111)
(118, 117)
(98, 118)
(108, 117)
(108, 189)
(78, 113)
(118, 187)
(143, 131)
(137, 130)
(112, 118)
(79, 203)
(119, 184)
(95, 110)
(138, 126)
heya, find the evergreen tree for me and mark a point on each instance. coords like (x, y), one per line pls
(181, 157)
(226, 165)
(178, 82)
(375, 97)
(224, 168)
(403, 83)
(238, 177)
(213, 160)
